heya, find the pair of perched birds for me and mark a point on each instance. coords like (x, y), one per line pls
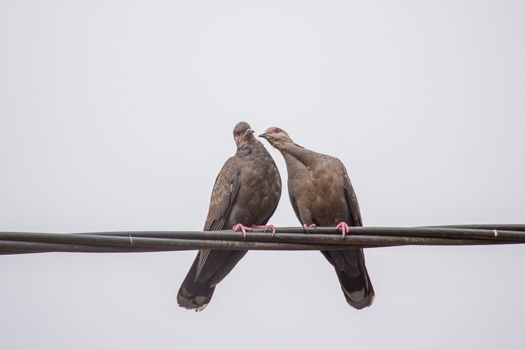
(246, 194)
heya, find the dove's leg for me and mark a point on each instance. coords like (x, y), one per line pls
(271, 227)
(343, 226)
(242, 228)
(306, 227)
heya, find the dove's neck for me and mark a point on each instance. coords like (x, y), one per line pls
(251, 148)
(298, 153)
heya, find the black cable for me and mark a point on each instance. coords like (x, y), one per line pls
(286, 238)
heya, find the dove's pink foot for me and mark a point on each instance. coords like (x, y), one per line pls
(271, 227)
(343, 226)
(306, 227)
(242, 228)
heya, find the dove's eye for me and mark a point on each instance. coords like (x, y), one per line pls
(237, 133)
(277, 130)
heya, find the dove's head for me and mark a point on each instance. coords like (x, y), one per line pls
(277, 137)
(243, 134)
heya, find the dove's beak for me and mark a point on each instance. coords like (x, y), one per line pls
(250, 131)
(263, 136)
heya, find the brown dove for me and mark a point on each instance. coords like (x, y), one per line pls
(245, 195)
(322, 195)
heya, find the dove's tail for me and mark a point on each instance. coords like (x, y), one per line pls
(208, 269)
(194, 294)
(353, 277)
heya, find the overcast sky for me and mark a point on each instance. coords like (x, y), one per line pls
(117, 115)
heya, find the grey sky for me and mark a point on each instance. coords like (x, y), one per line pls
(118, 115)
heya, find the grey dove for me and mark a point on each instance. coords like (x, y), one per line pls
(245, 195)
(322, 195)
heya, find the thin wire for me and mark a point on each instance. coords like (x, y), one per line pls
(286, 238)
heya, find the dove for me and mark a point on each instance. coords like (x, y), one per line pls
(245, 195)
(321, 194)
